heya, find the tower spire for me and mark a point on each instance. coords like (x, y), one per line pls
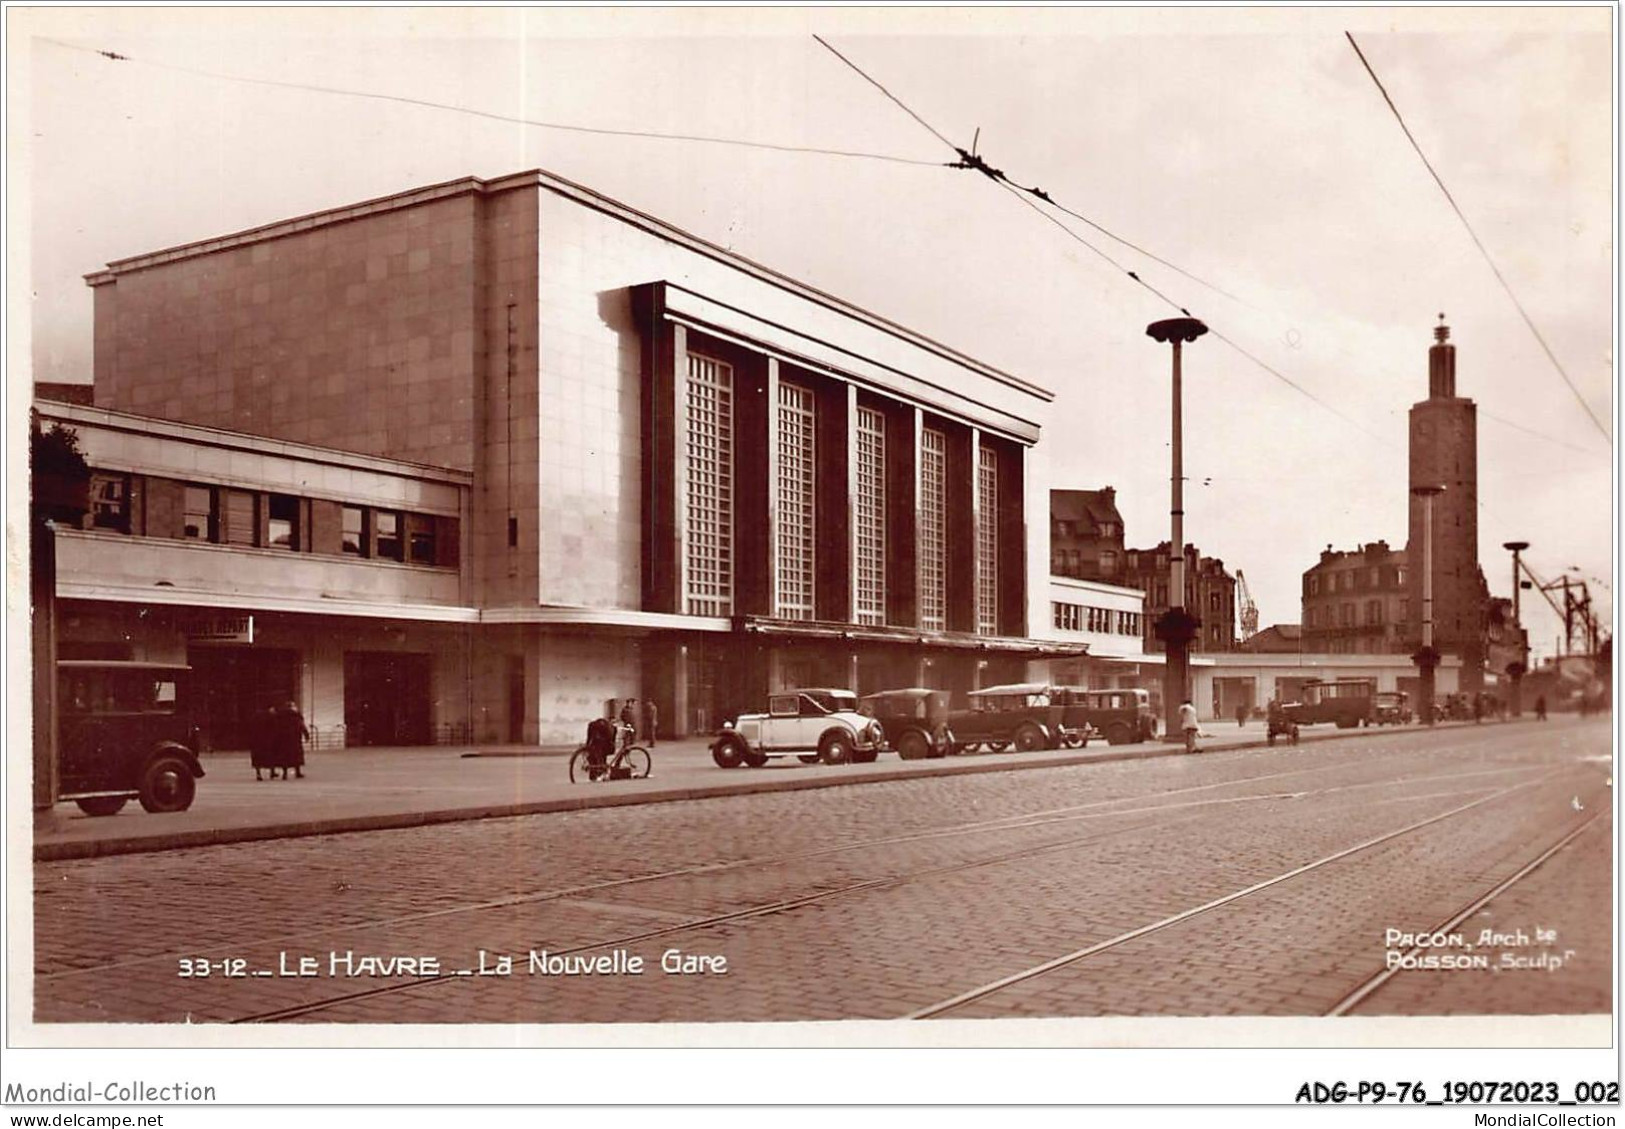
(1441, 364)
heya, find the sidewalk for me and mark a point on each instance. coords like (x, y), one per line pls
(375, 789)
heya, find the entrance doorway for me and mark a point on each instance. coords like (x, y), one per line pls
(386, 698)
(231, 689)
(1232, 694)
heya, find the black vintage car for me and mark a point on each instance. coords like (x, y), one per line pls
(1024, 715)
(1346, 703)
(121, 734)
(1122, 716)
(916, 721)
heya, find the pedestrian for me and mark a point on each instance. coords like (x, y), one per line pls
(1478, 709)
(1241, 715)
(289, 734)
(651, 714)
(1187, 723)
(262, 742)
(1540, 707)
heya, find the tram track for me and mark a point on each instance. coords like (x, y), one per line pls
(1375, 983)
(1096, 809)
(1191, 811)
(1353, 998)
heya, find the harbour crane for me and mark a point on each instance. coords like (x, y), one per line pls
(1246, 608)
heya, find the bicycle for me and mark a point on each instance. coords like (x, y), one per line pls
(591, 765)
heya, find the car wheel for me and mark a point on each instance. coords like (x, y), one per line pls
(728, 752)
(102, 805)
(1117, 733)
(836, 748)
(167, 784)
(1073, 738)
(912, 746)
(1030, 738)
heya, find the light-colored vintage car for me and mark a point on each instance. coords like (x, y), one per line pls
(814, 725)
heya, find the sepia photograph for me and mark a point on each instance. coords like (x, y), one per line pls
(792, 527)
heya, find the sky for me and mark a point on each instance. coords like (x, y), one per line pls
(1248, 148)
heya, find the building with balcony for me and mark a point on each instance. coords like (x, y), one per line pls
(485, 455)
(1357, 602)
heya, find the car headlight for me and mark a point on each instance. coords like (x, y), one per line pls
(876, 733)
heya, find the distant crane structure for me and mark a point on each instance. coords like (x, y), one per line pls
(1575, 609)
(1245, 606)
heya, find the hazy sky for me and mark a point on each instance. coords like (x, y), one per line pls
(1247, 147)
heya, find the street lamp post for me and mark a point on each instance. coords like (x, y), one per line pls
(1176, 627)
(1519, 666)
(1427, 658)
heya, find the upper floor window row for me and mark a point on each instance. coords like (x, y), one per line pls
(224, 515)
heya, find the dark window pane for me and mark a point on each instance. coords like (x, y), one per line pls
(283, 528)
(110, 501)
(423, 546)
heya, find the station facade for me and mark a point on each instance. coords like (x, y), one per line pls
(471, 461)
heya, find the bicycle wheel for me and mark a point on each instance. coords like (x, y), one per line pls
(582, 770)
(638, 761)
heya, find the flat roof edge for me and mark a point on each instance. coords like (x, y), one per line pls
(580, 193)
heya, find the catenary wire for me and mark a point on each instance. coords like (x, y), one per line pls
(491, 115)
(971, 160)
(1479, 243)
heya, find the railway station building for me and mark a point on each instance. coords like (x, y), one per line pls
(470, 461)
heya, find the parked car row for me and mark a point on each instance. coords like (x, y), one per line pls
(834, 726)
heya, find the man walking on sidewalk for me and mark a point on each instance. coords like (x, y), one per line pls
(1187, 722)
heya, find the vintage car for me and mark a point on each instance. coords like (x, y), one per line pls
(121, 734)
(1346, 703)
(1024, 715)
(814, 725)
(1391, 708)
(916, 721)
(1122, 717)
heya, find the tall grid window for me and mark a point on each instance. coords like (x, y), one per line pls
(987, 542)
(793, 561)
(708, 536)
(932, 541)
(869, 511)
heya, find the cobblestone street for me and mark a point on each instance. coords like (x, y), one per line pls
(1251, 882)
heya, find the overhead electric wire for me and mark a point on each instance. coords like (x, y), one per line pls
(1479, 243)
(972, 161)
(489, 115)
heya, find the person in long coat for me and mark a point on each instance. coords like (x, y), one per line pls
(290, 734)
(262, 743)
